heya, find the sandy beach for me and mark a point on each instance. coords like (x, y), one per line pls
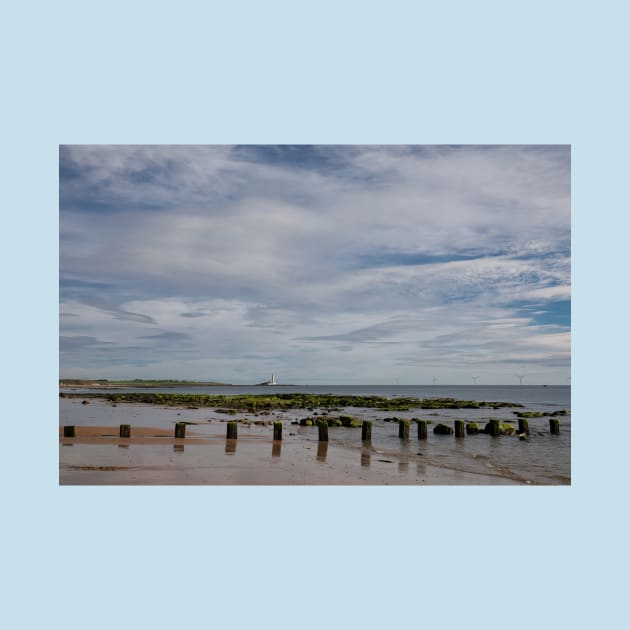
(152, 456)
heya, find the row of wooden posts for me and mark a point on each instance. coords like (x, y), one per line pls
(69, 431)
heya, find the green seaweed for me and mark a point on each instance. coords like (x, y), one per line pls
(261, 403)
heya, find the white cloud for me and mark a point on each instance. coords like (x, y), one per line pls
(252, 258)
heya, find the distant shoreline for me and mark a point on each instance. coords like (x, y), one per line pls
(106, 384)
(74, 383)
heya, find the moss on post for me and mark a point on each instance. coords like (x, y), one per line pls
(277, 431)
(422, 429)
(232, 430)
(460, 430)
(69, 431)
(554, 426)
(495, 429)
(323, 431)
(180, 430)
(366, 431)
(125, 431)
(523, 426)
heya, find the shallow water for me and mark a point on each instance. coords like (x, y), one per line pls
(553, 395)
(542, 459)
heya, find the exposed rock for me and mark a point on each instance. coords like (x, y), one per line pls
(442, 429)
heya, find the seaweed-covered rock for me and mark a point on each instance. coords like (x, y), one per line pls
(472, 428)
(495, 427)
(442, 429)
(350, 421)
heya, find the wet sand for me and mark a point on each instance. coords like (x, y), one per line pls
(152, 456)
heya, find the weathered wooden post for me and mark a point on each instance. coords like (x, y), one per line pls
(460, 429)
(554, 426)
(180, 429)
(277, 431)
(323, 430)
(232, 430)
(495, 430)
(422, 429)
(523, 426)
(69, 431)
(403, 429)
(366, 431)
(125, 431)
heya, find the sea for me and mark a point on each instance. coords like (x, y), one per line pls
(543, 459)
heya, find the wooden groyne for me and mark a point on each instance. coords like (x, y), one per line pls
(460, 428)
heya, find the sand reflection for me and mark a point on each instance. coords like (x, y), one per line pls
(366, 457)
(276, 449)
(230, 447)
(322, 451)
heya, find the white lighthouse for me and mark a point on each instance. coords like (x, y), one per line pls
(271, 382)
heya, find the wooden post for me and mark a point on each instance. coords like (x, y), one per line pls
(554, 426)
(523, 426)
(422, 429)
(125, 431)
(495, 430)
(366, 431)
(232, 430)
(460, 429)
(403, 429)
(277, 431)
(180, 429)
(323, 430)
(69, 431)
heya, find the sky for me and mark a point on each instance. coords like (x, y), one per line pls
(323, 264)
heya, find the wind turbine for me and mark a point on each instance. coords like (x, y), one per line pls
(435, 380)
(520, 378)
(474, 378)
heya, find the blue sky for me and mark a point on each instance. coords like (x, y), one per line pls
(323, 264)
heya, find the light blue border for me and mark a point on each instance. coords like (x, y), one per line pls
(305, 72)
